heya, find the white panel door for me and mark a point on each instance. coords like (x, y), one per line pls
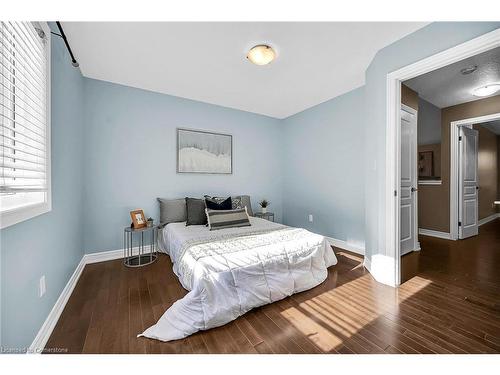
(468, 183)
(408, 198)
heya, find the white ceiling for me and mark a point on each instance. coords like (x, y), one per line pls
(207, 61)
(493, 126)
(447, 86)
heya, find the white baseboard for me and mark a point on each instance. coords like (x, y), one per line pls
(346, 245)
(434, 233)
(48, 326)
(44, 333)
(103, 256)
(382, 269)
(488, 219)
(380, 266)
(447, 236)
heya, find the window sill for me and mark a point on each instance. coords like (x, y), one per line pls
(429, 182)
(25, 213)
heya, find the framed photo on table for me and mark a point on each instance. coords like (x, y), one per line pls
(138, 219)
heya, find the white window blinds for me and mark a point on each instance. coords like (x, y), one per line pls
(23, 114)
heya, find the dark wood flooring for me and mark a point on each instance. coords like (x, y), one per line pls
(452, 305)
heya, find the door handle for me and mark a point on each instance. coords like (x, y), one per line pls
(413, 189)
(477, 187)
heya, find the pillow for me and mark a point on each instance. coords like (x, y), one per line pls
(245, 202)
(172, 211)
(238, 201)
(217, 204)
(215, 199)
(195, 212)
(221, 219)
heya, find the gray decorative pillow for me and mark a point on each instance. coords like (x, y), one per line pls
(172, 211)
(221, 219)
(245, 202)
(195, 212)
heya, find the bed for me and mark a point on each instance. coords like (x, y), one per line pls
(231, 271)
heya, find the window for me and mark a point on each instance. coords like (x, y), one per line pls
(24, 121)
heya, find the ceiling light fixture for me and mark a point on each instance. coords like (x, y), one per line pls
(261, 54)
(486, 90)
(468, 70)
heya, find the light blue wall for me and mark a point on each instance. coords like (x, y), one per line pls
(130, 157)
(49, 244)
(425, 42)
(428, 123)
(328, 161)
(324, 169)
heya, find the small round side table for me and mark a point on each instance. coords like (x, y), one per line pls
(147, 252)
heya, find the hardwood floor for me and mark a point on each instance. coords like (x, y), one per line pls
(452, 305)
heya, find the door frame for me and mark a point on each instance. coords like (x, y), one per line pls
(462, 51)
(455, 164)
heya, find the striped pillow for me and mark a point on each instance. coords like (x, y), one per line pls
(221, 219)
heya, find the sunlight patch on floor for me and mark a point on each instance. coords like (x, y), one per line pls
(322, 337)
(356, 258)
(336, 315)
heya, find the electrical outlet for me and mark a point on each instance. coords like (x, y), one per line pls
(42, 287)
(311, 218)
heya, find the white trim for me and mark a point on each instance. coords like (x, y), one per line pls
(346, 245)
(103, 256)
(448, 236)
(470, 48)
(47, 31)
(380, 267)
(488, 219)
(434, 233)
(430, 182)
(45, 331)
(48, 326)
(18, 215)
(454, 164)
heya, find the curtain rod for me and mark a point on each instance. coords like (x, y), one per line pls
(63, 36)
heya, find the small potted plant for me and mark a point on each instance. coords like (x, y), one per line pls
(150, 222)
(263, 205)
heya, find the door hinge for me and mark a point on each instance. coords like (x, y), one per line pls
(459, 138)
(459, 223)
(395, 193)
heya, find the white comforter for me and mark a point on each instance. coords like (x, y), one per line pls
(231, 271)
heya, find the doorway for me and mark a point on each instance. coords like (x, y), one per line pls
(393, 134)
(464, 187)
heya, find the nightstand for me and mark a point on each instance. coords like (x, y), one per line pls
(266, 215)
(146, 250)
